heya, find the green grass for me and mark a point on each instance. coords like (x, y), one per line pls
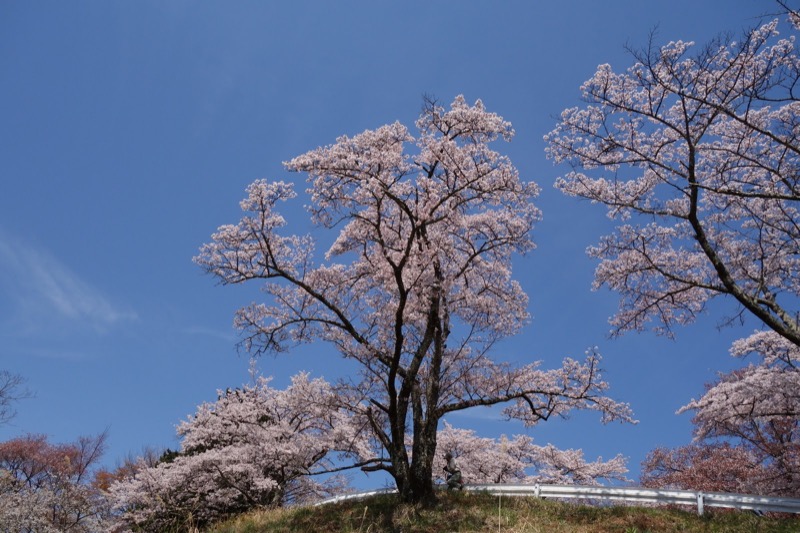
(465, 512)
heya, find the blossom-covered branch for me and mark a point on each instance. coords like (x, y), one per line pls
(416, 287)
(519, 460)
(696, 155)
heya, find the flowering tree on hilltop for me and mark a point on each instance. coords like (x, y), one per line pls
(423, 291)
(747, 428)
(759, 407)
(254, 447)
(697, 156)
(712, 467)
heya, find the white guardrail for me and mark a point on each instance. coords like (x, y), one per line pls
(700, 500)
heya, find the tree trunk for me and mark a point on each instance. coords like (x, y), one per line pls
(417, 485)
(415, 481)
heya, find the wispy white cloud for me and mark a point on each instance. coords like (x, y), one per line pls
(42, 292)
(228, 336)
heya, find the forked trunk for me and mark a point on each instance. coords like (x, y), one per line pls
(415, 481)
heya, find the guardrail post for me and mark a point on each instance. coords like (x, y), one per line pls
(537, 490)
(499, 508)
(699, 504)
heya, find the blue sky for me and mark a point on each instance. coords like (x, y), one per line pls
(131, 129)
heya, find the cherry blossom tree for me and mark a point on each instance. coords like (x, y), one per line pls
(254, 447)
(696, 156)
(519, 460)
(758, 407)
(747, 424)
(50, 487)
(260, 447)
(713, 467)
(128, 467)
(415, 289)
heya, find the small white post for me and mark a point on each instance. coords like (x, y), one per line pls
(499, 516)
(699, 504)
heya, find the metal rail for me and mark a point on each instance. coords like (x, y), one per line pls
(700, 500)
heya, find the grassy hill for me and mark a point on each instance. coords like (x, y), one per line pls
(464, 512)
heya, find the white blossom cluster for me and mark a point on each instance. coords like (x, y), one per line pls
(417, 286)
(484, 460)
(254, 447)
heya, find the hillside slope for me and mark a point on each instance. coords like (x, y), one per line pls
(464, 512)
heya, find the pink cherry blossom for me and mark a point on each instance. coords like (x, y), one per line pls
(417, 286)
(50, 488)
(518, 460)
(714, 467)
(758, 409)
(695, 154)
(254, 447)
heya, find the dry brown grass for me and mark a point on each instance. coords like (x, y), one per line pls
(464, 512)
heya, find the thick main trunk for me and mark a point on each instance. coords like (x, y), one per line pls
(416, 486)
(415, 480)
